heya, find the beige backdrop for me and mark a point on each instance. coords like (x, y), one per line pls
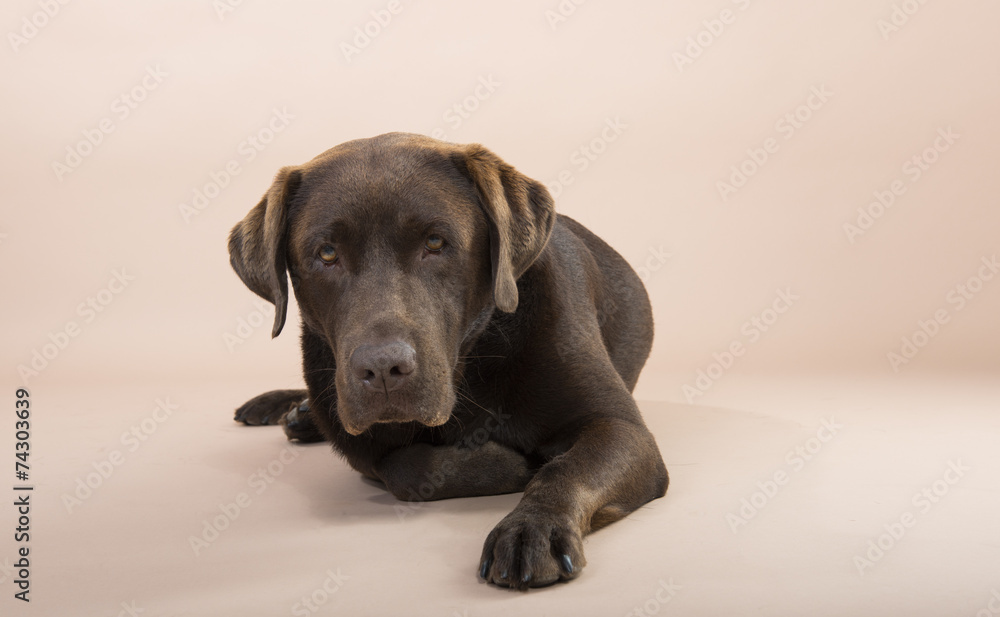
(642, 109)
(808, 189)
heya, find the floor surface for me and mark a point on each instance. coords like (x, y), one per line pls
(808, 501)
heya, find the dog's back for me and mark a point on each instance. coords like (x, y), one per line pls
(624, 313)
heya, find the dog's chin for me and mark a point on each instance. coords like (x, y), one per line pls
(356, 419)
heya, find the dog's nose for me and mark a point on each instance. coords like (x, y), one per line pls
(383, 367)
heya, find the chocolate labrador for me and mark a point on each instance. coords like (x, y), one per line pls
(459, 338)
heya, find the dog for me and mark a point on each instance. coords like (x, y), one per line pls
(455, 327)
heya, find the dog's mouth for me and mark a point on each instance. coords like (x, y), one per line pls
(394, 381)
(359, 416)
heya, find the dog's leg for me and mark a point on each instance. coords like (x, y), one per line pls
(268, 408)
(612, 468)
(299, 425)
(290, 408)
(422, 472)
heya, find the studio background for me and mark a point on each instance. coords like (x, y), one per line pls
(739, 154)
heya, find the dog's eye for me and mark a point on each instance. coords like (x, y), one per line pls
(328, 254)
(434, 243)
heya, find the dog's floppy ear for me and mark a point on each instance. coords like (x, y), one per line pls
(258, 243)
(520, 213)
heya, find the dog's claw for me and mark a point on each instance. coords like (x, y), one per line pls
(567, 564)
(484, 569)
(298, 424)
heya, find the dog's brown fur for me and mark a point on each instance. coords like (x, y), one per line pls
(520, 341)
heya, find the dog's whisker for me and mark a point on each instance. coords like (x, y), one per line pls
(478, 405)
(321, 369)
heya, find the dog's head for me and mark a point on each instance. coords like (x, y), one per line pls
(399, 248)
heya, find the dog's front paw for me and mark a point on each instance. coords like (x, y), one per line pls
(299, 426)
(268, 408)
(529, 548)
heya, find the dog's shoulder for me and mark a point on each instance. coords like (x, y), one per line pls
(580, 264)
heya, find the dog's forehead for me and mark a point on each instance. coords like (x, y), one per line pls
(386, 185)
(399, 174)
